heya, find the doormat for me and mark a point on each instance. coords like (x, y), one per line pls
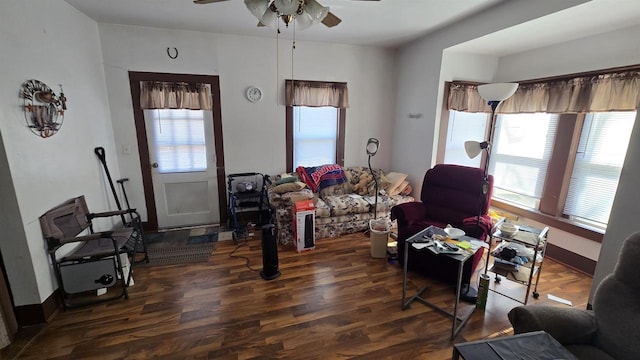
(181, 246)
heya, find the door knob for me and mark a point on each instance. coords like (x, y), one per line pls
(154, 165)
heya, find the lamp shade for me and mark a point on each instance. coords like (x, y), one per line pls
(303, 20)
(316, 11)
(474, 148)
(287, 7)
(372, 146)
(257, 7)
(497, 91)
(269, 19)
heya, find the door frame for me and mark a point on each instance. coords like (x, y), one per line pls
(143, 146)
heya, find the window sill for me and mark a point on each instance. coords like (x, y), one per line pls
(569, 226)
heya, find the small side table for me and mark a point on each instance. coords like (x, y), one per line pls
(537, 345)
(461, 258)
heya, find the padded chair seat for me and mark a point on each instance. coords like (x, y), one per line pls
(100, 247)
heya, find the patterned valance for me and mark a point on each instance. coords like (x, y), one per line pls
(316, 93)
(607, 92)
(174, 95)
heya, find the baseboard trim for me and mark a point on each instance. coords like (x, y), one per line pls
(571, 259)
(34, 314)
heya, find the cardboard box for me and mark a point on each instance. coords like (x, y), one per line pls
(304, 218)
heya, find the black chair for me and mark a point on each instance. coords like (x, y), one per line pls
(85, 261)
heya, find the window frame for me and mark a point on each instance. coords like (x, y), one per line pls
(340, 140)
(554, 193)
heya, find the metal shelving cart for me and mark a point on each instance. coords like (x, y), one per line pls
(533, 241)
(246, 192)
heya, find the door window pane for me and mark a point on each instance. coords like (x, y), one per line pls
(521, 151)
(599, 159)
(179, 140)
(315, 132)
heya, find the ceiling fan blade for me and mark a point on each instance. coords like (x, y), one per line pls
(200, 2)
(331, 20)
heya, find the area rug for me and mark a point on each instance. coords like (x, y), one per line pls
(181, 246)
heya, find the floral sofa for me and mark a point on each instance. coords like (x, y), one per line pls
(338, 209)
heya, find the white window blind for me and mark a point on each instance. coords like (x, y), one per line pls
(464, 126)
(179, 140)
(601, 152)
(315, 132)
(520, 156)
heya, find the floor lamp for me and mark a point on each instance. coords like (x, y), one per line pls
(372, 148)
(494, 94)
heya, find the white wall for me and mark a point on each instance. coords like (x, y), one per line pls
(426, 64)
(50, 41)
(608, 50)
(624, 213)
(420, 86)
(254, 134)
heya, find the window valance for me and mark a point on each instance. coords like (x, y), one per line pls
(601, 93)
(316, 93)
(174, 95)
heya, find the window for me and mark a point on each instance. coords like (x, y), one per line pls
(521, 151)
(464, 126)
(315, 122)
(598, 163)
(315, 135)
(524, 173)
(179, 139)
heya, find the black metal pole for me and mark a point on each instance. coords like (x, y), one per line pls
(101, 155)
(375, 180)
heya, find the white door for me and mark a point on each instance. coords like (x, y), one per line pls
(182, 154)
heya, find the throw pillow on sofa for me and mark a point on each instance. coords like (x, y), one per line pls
(396, 180)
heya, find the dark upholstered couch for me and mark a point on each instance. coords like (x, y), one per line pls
(451, 195)
(611, 330)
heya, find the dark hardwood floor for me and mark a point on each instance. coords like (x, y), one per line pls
(330, 303)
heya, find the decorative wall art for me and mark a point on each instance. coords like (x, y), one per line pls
(43, 110)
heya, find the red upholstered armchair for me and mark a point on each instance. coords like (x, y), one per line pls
(451, 194)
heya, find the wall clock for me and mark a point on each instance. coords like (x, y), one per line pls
(254, 94)
(43, 110)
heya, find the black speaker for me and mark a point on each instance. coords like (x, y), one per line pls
(269, 253)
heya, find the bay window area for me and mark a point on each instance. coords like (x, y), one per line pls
(558, 146)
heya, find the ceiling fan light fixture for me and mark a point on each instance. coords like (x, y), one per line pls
(269, 18)
(304, 20)
(257, 7)
(316, 11)
(287, 7)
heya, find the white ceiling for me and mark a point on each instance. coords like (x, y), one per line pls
(388, 23)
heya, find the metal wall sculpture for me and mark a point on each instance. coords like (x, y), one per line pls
(43, 110)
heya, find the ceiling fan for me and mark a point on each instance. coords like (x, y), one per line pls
(306, 12)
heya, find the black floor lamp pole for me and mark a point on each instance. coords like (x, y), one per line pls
(372, 148)
(375, 181)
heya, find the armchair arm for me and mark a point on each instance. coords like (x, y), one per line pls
(110, 213)
(478, 229)
(567, 325)
(408, 212)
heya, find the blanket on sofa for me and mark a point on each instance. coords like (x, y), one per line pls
(320, 177)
